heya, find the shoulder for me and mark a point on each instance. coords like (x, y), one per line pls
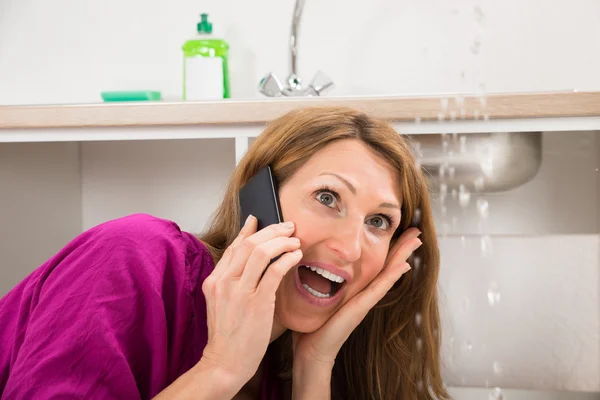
(141, 234)
(117, 301)
(141, 247)
(136, 227)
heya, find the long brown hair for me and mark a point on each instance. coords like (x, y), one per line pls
(395, 352)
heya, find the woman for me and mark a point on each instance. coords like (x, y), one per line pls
(135, 308)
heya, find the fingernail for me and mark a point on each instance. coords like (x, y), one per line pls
(416, 234)
(295, 240)
(248, 220)
(407, 268)
(416, 245)
(288, 225)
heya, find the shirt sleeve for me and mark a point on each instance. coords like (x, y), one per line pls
(102, 319)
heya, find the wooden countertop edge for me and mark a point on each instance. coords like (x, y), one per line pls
(407, 109)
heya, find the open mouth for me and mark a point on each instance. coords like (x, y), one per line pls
(319, 282)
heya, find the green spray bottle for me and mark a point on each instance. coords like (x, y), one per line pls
(205, 70)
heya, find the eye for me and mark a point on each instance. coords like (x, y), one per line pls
(382, 222)
(327, 198)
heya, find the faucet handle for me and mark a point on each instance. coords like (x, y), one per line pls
(321, 83)
(271, 86)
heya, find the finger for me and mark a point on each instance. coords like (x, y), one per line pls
(247, 230)
(407, 235)
(354, 311)
(262, 255)
(270, 281)
(378, 288)
(404, 251)
(244, 248)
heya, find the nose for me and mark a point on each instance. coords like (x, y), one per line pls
(346, 240)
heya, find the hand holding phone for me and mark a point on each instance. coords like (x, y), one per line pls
(260, 197)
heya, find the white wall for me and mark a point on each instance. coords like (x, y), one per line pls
(182, 180)
(544, 331)
(71, 50)
(40, 205)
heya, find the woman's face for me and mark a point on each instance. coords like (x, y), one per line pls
(345, 202)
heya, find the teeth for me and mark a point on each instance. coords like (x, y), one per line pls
(315, 293)
(326, 274)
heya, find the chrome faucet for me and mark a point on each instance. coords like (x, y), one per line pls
(271, 86)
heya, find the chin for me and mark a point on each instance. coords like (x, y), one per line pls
(299, 323)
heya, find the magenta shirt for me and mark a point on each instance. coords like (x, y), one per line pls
(118, 313)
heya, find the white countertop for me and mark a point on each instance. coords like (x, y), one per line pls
(447, 107)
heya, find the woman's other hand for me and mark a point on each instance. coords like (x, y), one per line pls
(318, 350)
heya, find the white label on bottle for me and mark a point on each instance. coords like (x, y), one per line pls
(204, 78)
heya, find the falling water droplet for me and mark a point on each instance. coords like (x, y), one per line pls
(451, 171)
(416, 148)
(463, 144)
(442, 171)
(420, 385)
(440, 116)
(443, 209)
(463, 241)
(479, 15)
(417, 262)
(493, 296)
(475, 46)
(483, 208)
(416, 220)
(467, 347)
(443, 189)
(419, 344)
(444, 103)
(464, 197)
(445, 229)
(483, 101)
(496, 394)
(487, 165)
(486, 245)
(454, 194)
(466, 304)
(418, 318)
(417, 120)
(479, 182)
(454, 222)
(460, 101)
(486, 117)
(476, 114)
(445, 142)
(497, 368)
(452, 115)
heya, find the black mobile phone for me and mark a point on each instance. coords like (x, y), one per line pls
(260, 197)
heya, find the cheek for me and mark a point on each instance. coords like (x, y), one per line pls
(311, 225)
(370, 267)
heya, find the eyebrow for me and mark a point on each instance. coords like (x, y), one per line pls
(353, 189)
